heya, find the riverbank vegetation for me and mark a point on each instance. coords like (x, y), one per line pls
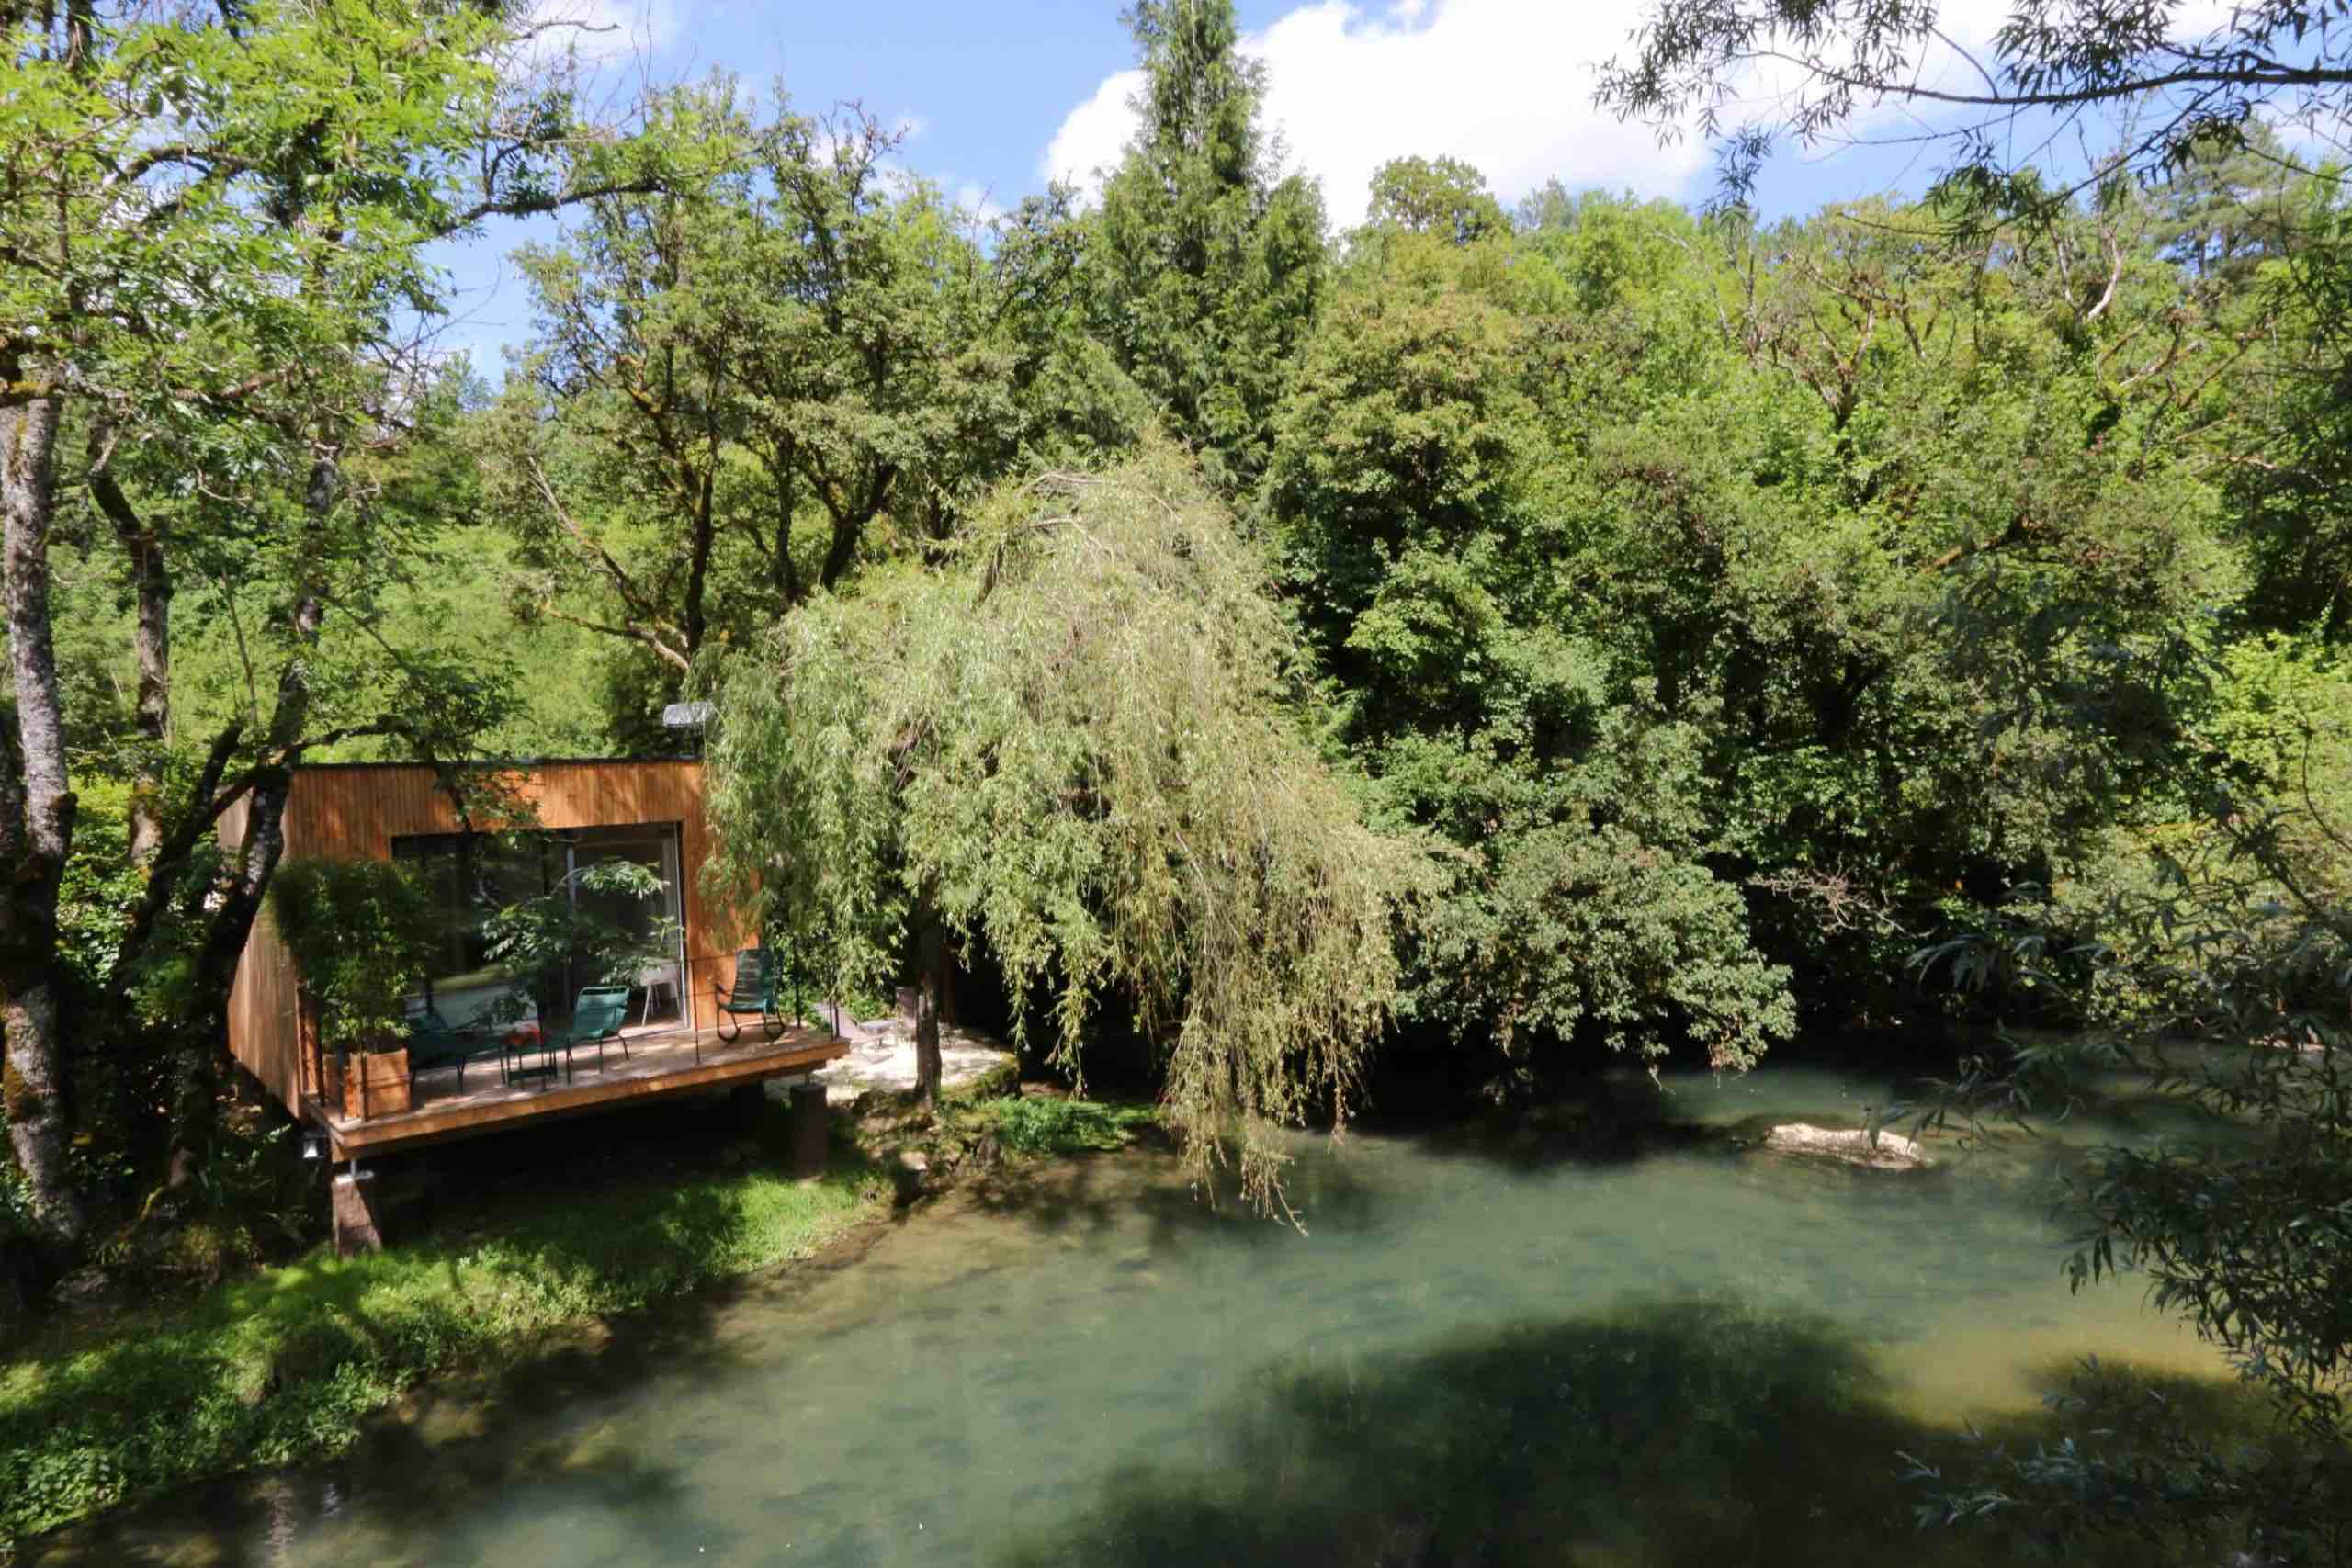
(122, 1401)
(167, 1384)
(1501, 639)
(1057, 1124)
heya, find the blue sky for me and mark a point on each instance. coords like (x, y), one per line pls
(996, 96)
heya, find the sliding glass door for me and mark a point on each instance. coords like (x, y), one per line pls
(656, 924)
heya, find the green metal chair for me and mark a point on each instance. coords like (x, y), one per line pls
(435, 1041)
(753, 996)
(595, 1020)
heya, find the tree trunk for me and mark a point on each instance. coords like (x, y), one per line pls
(197, 1066)
(152, 580)
(37, 1116)
(931, 982)
(783, 576)
(698, 566)
(199, 1060)
(36, 823)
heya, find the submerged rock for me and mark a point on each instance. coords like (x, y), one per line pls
(1890, 1151)
(912, 1175)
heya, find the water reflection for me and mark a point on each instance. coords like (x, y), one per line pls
(1507, 1344)
(1682, 1432)
(1665, 1432)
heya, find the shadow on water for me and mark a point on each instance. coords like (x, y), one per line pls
(1620, 1118)
(1602, 1119)
(1394, 1422)
(1689, 1432)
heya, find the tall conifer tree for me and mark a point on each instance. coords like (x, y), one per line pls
(1211, 257)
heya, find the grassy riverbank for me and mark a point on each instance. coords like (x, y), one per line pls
(534, 1238)
(289, 1364)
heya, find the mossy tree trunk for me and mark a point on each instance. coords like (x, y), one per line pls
(931, 1000)
(36, 809)
(201, 1060)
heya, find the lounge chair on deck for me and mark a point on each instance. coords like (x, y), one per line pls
(595, 1020)
(753, 996)
(434, 1042)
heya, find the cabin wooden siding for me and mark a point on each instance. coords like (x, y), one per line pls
(354, 811)
(265, 1006)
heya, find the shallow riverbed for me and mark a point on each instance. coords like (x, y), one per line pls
(1504, 1346)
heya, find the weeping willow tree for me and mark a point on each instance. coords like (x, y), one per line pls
(1072, 743)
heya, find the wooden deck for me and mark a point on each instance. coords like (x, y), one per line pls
(661, 1062)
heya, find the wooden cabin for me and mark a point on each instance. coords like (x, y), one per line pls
(563, 815)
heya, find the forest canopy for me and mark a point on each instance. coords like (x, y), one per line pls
(1494, 641)
(1739, 605)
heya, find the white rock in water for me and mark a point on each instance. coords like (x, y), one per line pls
(1892, 1150)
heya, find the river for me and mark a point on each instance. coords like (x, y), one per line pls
(1554, 1341)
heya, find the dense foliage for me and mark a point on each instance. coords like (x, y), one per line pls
(211, 279)
(2182, 907)
(361, 934)
(1511, 637)
(1072, 744)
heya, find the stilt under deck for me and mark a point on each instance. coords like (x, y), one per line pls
(661, 1062)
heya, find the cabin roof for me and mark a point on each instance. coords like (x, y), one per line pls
(524, 763)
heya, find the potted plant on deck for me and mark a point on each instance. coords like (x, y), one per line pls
(362, 935)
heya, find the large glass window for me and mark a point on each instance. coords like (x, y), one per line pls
(476, 875)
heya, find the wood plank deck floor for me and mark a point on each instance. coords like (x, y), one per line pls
(661, 1062)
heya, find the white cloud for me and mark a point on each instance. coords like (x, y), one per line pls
(1093, 135)
(1504, 84)
(606, 30)
(975, 199)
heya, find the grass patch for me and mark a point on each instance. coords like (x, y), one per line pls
(289, 1364)
(1043, 1124)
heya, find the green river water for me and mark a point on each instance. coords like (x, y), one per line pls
(1515, 1345)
